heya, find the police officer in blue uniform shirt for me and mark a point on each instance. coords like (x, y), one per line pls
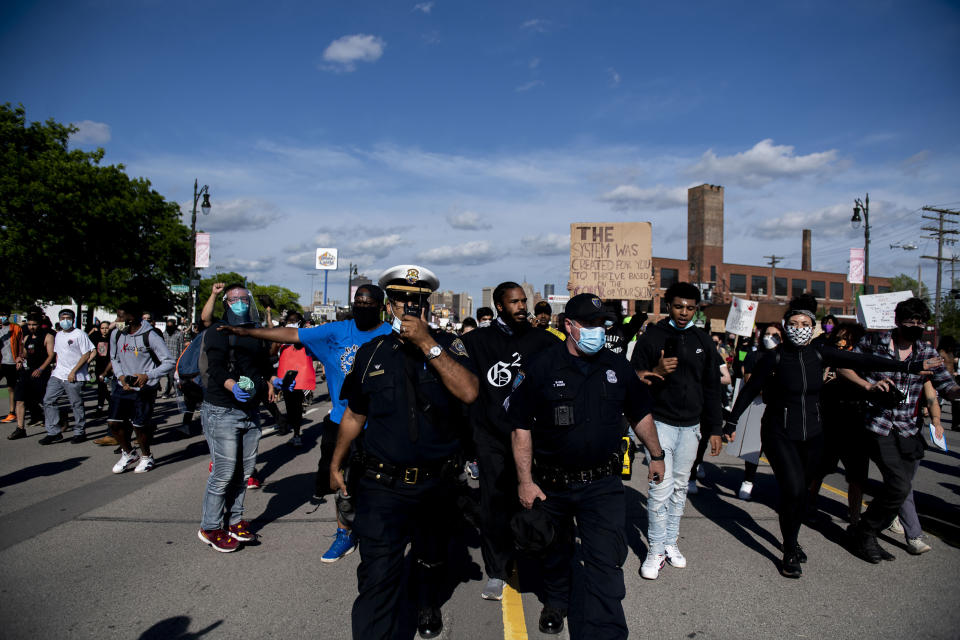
(568, 413)
(408, 387)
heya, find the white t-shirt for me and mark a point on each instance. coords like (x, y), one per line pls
(69, 347)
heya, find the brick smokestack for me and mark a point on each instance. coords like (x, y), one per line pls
(805, 252)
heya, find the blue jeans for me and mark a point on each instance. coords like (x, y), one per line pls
(666, 500)
(74, 391)
(233, 436)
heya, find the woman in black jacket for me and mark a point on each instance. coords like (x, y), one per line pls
(791, 432)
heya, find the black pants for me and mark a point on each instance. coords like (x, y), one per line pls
(701, 451)
(897, 475)
(328, 444)
(294, 402)
(387, 519)
(498, 502)
(844, 440)
(794, 464)
(600, 512)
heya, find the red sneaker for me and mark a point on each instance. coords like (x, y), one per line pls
(210, 468)
(10, 417)
(218, 539)
(253, 483)
(241, 531)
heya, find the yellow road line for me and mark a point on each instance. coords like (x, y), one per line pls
(839, 492)
(514, 624)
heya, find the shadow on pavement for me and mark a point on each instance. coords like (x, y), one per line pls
(290, 494)
(38, 470)
(175, 628)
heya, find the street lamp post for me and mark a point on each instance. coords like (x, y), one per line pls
(205, 207)
(858, 207)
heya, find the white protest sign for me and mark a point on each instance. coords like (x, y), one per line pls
(876, 311)
(742, 315)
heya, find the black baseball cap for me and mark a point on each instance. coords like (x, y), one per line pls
(585, 307)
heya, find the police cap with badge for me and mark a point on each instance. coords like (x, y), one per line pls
(587, 307)
(410, 285)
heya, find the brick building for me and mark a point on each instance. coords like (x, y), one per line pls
(721, 281)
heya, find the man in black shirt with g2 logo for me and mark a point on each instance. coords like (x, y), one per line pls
(568, 426)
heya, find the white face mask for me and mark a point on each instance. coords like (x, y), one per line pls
(292, 325)
(771, 341)
(485, 323)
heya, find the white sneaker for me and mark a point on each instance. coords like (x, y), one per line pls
(145, 464)
(674, 557)
(746, 489)
(916, 546)
(692, 487)
(701, 472)
(651, 566)
(895, 526)
(126, 459)
(493, 590)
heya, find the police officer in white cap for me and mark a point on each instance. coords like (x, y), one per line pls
(409, 388)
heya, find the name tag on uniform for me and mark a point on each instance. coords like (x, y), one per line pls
(376, 373)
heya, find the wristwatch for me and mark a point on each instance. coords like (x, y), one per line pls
(659, 457)
(434, 352)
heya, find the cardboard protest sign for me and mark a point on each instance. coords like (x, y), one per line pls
(742, 315)
(613, 260)
(875, 311)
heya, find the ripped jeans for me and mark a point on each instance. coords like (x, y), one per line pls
(666, 500)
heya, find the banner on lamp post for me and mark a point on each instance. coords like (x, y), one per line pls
(855, 275)
(202, 257)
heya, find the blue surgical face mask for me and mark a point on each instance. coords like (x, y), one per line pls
(240, 307)
(3, 319)
(66, 324)
(591, 339)
(683, 328)
(396, 324)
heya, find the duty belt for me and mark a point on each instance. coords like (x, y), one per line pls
(563, 476)
(388, 473)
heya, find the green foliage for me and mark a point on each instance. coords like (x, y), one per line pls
(71, 227)
(903, 282)
(279, 298)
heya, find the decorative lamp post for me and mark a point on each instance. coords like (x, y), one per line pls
(205, 207)
(864, 207)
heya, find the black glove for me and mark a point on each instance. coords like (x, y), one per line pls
(915, 367)
(729, 427)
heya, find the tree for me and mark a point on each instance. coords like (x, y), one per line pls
(279, 299)
(903, 282)
(70, 227)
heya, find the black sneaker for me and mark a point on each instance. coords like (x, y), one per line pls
(78, 439)
(18, 433)
(429, 622)
(48, 439)
(790, 567)
(865, 547)
(551, 620)
(800, 554)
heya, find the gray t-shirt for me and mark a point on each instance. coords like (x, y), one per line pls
(5, 336)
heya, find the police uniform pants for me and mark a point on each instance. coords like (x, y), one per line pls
(498, 502)
(387, 518)
(600, 513)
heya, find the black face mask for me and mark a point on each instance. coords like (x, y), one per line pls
(366, 317)
(910, 334)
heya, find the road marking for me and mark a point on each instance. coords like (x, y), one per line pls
(839, 492)
(309, 411)
(514, 624)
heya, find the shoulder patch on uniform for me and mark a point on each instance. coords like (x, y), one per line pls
(458, 348)
(611, 376)
(378, 372)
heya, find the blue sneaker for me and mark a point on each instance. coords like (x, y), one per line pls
(344, 545)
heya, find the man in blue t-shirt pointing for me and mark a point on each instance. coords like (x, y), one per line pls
(335, 345)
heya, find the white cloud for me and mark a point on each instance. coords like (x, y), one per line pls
(476, 252)
(303, 260)
(378, 246)
(526, 86)
(469, 221)
(244, 267)
(241, 214)
(425, 7)
(538, 25)
(829, 219)
(628, 197)
(534, 63)
(614, 77)
(760, 165)
(546, 244)
(90, 132)
(343, 53)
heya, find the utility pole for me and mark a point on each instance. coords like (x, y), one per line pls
(774, 259)
(938, 234)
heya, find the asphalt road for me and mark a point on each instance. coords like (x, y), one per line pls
(85, 553)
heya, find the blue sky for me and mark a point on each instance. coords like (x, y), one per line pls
(467, 136)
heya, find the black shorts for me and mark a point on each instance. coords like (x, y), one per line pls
(8, 372)
(29, 389)
(135, 406)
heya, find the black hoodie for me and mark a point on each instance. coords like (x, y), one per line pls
(691, 394)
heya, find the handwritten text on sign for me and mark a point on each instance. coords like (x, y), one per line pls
(612, 260)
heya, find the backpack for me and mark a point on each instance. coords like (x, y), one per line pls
(188, 364)
(115, 344)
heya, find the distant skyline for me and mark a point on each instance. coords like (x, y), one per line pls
(468, 136)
